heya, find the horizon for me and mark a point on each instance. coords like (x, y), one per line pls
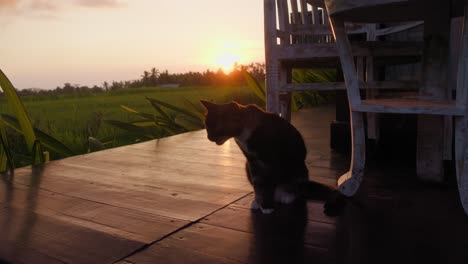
(87, 42)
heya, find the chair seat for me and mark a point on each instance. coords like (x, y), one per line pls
(408, 106)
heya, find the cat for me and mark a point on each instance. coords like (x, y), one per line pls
(275, 153)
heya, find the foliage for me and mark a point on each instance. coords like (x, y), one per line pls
(76, 120)
(253, 83)
(311, 98)
(22, 124)
(44, 139)
(299, 99)
(168, 119)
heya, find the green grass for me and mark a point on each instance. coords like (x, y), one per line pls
(72, 118)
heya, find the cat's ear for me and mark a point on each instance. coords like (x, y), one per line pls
(207, 104)
(235, 104)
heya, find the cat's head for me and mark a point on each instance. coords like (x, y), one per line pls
(222, 121)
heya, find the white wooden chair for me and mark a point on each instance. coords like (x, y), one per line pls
(432, 102)
(298, 35)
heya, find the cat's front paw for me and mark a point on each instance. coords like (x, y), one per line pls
(255, 206)
(284, 197)
(267, 210)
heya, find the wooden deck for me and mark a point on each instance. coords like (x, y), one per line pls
(184, 199)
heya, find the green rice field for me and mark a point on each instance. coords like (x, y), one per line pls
(72, 118)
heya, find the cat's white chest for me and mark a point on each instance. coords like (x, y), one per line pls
(242, 139)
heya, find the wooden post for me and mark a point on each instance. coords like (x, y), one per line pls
(272, 67)
(430, 144)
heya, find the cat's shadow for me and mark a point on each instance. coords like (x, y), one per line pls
(279, 237)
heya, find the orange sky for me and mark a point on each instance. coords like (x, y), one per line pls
(45, 43)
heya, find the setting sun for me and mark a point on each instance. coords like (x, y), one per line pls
(227, 60)
(225, 54)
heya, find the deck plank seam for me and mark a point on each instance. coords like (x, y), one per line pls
(180, 229)
(250, 233)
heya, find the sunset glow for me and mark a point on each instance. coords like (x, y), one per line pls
(227, 60)
(87, 42)
(226, 54)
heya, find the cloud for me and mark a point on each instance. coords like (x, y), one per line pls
(99, 3)
(45, 5)
(8, 3)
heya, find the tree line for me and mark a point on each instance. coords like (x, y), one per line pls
(154, 77)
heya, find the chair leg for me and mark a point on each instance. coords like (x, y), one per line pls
(461, 159)
(349, 183)
(272, 84)
(285, 105)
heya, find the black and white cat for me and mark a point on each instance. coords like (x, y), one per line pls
(275, 153)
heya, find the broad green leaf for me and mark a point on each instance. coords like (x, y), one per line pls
(127, 126)
(173, 107)
(163, 114)
(197, 109)
(37, 153)
(313, 75)
(188, 122)
(19, 109)
(144, 123)
(48, 141)
(6, 159)
(145, 115)
(128, 109)
(294, 106)
(3, 156)
(255, 86)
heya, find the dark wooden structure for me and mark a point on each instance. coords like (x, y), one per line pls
(184, 199)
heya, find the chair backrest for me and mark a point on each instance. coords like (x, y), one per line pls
(298, 22)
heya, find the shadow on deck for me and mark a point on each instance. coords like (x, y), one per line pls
(183, 199)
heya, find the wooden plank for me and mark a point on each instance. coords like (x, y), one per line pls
(331, 86)
(369, 11)
(407, 106)
(167, 173)
(368, 48)
(307, 29)
(173, 254)
(314, 210)
(26, 234)
(134, 180)
(11, 253)
(244, 247)
(172, 203)
(117, 221)
(184, 182)
(305, 13)
(289, 222)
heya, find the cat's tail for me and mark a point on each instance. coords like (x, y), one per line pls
(335, 202)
